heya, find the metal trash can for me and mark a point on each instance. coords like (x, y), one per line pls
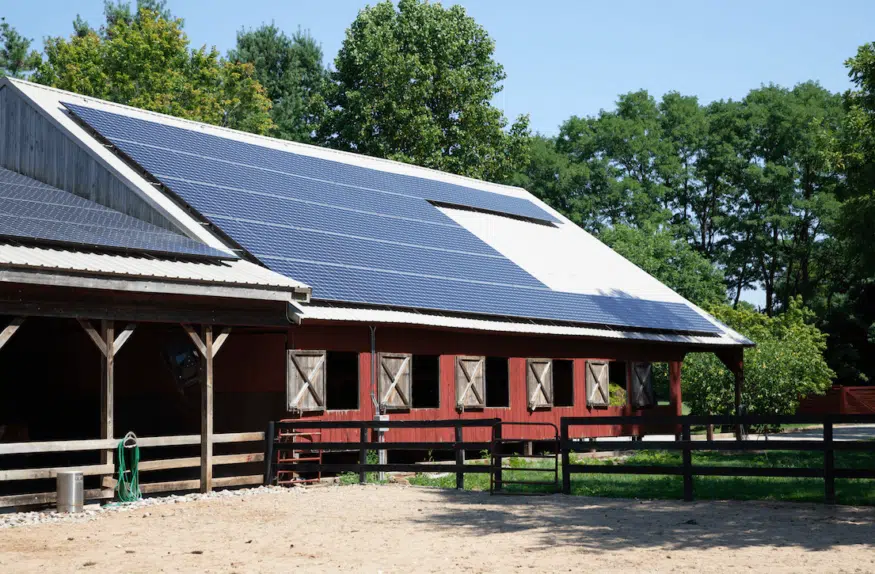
(71, 494)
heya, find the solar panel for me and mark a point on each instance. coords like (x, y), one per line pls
(31, 210)
(214, 150)
(359, 235)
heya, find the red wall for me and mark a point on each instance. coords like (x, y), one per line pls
(250, 363)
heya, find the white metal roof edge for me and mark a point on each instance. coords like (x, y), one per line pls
(354, 314)
(47, 102)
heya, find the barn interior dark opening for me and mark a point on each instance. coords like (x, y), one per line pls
(497, 382)
(563, 383)
(342, 381)
(426, 389)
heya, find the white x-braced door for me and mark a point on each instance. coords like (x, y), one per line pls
(394, 380)
(305, 381)
(470, 382)
(539, 383)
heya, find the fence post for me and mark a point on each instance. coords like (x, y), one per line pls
(460, 458)
(688, 462)
(269, 437)
(496, 455)
(829, 482)
(363, 454)
(566, 456)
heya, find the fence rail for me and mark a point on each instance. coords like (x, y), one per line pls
(364, 445)
(828, 445)
(148, 465)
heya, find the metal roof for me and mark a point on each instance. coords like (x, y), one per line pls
(337, 312)
(143, 268)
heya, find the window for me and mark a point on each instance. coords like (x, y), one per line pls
(342, 381)
(426, 382)
(563, 383)
(497, 382)
(619, 381)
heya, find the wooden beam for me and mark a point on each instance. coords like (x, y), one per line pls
(207, 411)
(220, 340)
(123, 338)
(93, 335)
(107, 386)
(191, 462)
(39, 473)
(10, 330)
(196, 339)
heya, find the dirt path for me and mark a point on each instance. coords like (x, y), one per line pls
(405, 529)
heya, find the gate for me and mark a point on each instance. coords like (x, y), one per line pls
(499, 452)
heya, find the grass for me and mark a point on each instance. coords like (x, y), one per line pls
(856, 492)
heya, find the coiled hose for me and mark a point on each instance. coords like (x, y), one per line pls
(128, 484)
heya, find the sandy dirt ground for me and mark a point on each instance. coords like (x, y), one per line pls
(408, 529)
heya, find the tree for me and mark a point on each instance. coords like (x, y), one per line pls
(17, 60)
(786, 365)
(671, 261)
(415, 85)
(291, 71)
(144, 60)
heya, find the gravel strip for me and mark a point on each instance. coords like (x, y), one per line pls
(94, 511)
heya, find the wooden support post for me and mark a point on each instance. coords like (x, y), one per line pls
(108, 345)
(688, 463)
(497, 459)
(675, 394)
(565, 445)
(107, 381)
(269, 438)
(208, 348)
(739, 386)
(460, 459)
(363, 455)
(207, 413)
(829, 481)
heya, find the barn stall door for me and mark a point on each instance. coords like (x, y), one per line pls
(470, 382)
(539, 383)
(641, 386)
(305, 381)
(394, 380)
(597, 391)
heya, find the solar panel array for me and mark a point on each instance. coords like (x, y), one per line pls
(361, 235)
(31, 210)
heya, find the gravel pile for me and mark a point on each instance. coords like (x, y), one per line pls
(94, 511)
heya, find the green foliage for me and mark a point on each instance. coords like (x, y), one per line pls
(786, 365)
(17, 60)
(144, 60)
(670, 260)
(291, 71)
(617, 395)
(415, 84)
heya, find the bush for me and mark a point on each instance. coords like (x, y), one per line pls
(786, 365)
(617, 395)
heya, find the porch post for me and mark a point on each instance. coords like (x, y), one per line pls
(208, 348)
(207, 413)
(674, 391)
(107, 375)
(739, 386)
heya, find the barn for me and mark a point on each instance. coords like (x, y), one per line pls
(338, 287)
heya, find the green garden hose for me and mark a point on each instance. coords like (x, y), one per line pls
(128, 485)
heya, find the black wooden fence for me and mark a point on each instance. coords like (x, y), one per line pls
(367, 443)
(828, 472)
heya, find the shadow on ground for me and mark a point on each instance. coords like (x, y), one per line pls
(600, 524)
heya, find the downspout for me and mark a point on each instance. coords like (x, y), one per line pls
(377, 409)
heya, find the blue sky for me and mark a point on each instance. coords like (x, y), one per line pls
(566, 57)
